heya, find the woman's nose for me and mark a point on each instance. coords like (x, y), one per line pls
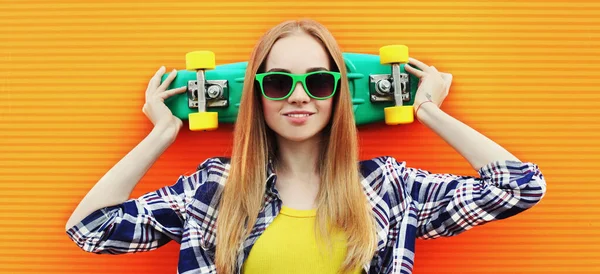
(299, 95)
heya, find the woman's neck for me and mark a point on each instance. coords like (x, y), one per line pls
(298, 179)
(298, 159)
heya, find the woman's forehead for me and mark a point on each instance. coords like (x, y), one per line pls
(297, 53)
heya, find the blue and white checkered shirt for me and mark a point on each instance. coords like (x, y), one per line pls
(408, 203)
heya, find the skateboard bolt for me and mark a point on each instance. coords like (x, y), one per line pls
(214, 91)
(384, 86)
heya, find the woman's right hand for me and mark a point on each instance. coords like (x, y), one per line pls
(155, 109)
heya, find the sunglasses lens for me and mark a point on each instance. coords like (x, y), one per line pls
(277, 85)
(320, 84)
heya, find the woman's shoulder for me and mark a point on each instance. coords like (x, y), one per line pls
(214, 169)
(375, 172)
(379, 165)
(209, 177)
(207, 185)
(217, 163)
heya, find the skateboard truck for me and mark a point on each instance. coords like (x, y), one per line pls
(216, 91)
(199, 61)
(381, 87)
(398, 114)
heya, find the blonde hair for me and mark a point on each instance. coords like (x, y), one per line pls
(341, 202)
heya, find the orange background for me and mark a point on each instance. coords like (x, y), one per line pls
(73, 75)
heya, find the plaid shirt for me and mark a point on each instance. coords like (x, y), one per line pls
(407, 203)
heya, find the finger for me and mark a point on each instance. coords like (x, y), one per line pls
(168, 81)
(155, 80)
(414, 71)
(168, 93)
(422, 66)
(433, 71)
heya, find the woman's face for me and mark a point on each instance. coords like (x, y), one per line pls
(298, 53)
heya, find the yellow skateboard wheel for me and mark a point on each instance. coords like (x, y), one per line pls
(197, 60)
(393, 54)
(399, 115)
(203, 121)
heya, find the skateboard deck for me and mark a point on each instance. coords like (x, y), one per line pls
(370, 85)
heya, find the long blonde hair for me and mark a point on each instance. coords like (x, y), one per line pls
(341, 202)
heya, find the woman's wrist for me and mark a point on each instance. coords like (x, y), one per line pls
(419, 105)
(165, 133)
(425, 109)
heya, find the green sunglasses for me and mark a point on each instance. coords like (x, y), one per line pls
(319, 85)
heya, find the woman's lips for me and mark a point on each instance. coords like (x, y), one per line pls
(298, 119)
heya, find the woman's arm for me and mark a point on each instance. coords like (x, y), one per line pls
(448, 204)
(155, 218)
(472, 145)
(478, 149)
(116, 185)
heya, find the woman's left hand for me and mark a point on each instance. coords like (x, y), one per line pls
(433, 85)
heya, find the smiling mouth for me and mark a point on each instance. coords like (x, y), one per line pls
(297, 115)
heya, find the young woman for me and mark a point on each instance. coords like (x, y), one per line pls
(294, 198)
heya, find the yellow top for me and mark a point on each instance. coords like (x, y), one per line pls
(289, 245)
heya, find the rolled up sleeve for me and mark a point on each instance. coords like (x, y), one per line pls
(141, 224)
(450, 204)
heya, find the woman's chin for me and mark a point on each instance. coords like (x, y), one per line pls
(297, 135)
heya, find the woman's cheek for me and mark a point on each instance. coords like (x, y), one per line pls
(270, 111)
(325, 107)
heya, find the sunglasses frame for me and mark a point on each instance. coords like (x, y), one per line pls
(298, 78)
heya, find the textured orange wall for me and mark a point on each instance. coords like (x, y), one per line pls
(73, 73)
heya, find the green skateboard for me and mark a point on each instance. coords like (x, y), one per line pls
(380, 88)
